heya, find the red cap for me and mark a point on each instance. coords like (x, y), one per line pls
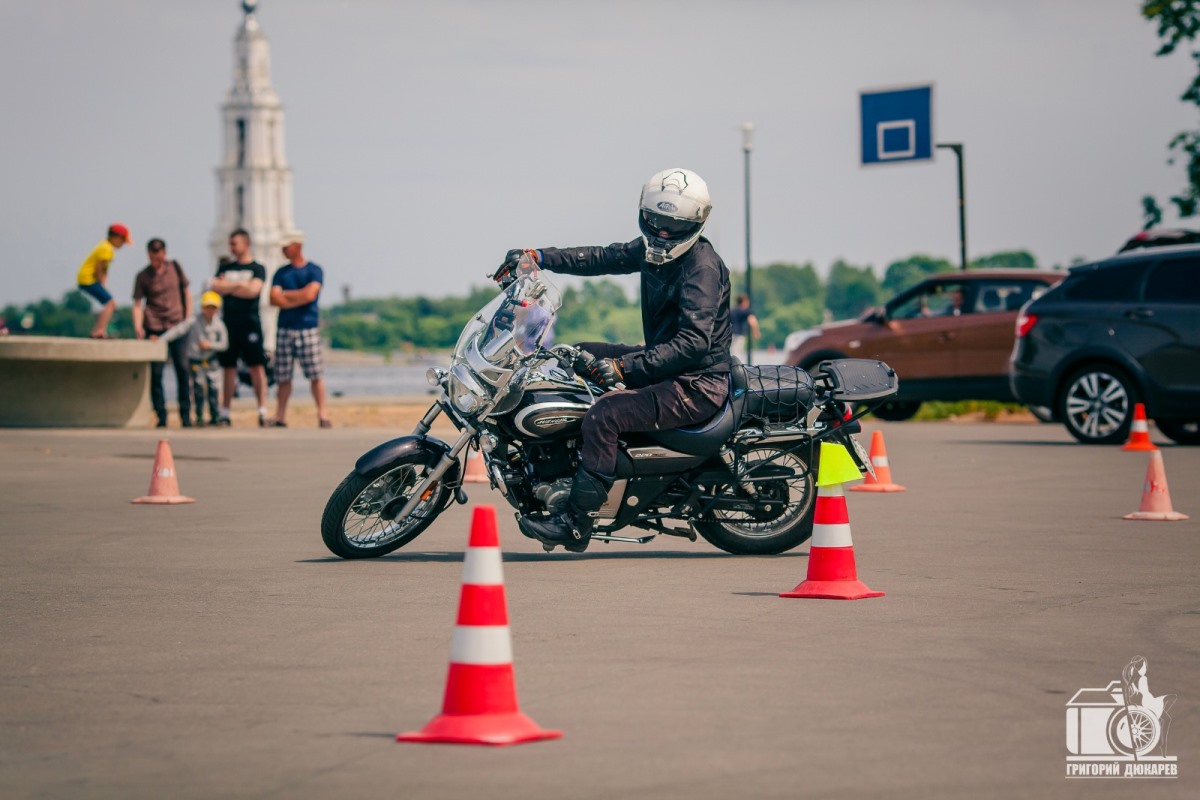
(120, 230)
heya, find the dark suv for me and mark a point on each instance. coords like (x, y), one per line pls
(1115, 333)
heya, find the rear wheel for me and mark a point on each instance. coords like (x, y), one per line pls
(1096, 404)
(1182, 431)
(896, 410)
(784, 517)
(360, 517)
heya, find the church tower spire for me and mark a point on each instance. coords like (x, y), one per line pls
(254, 182)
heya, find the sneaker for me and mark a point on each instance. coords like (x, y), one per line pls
(325, 423)
(262, 420)
(224, 422)
(275, 423)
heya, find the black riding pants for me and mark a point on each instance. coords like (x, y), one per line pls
(673, 403)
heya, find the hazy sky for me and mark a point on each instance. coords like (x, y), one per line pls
(428, 138)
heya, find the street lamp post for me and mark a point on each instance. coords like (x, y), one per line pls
(747, 146)
(962, 204)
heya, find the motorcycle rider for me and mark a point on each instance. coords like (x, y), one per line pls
(681, 375)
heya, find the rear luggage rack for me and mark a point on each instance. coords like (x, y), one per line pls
(857, 379)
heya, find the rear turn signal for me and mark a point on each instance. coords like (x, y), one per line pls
(1025, 323)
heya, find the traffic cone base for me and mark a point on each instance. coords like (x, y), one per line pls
(1156, 497)
(1139, 432)
(164, 485)
(480, 702)
(490, 729)
(833, 590)
(882, 480)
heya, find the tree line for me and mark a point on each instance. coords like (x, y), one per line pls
(787, 298)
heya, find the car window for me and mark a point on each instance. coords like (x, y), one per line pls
(1006, 295)
(1175, 280)
(1109, 284)
(935, 300)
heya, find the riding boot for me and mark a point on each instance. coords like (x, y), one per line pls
(573, 528)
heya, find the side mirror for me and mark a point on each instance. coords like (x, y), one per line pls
(878, 314)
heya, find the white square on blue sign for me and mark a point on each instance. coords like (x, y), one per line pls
(897, 125)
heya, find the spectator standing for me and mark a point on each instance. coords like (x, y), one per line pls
(295, 290)
(743, 322)
(207, 338)
(93, 276)
(240, 283)
(161, 300)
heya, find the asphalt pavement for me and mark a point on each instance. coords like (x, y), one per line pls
(218, 650)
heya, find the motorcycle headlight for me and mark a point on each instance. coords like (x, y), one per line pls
(465, 391)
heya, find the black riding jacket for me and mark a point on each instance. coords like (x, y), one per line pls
(685, 306)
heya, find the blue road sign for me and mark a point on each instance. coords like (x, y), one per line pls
(897, 125)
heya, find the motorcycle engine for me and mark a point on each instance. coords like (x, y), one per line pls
(554, 495)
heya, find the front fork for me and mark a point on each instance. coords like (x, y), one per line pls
(444, 463)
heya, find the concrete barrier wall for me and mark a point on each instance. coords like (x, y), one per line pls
(59, 382)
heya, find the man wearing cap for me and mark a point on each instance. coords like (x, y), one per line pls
(207, 338)
(161, 301)
(295, 290)
(93, 276)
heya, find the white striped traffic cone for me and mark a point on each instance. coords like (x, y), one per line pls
(882, 481)
(480, 705)
(832, 572)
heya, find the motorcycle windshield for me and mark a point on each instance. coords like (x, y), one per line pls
(517, 322)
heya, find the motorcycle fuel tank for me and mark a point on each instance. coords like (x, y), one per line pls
(549, 414)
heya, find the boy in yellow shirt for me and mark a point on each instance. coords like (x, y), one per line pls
(93, 275)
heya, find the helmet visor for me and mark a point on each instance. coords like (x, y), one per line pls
(663, 227)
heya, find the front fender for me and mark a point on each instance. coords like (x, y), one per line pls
(423, 449)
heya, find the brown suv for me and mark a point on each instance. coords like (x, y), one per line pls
(948, 338)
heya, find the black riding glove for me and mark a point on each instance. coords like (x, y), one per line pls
(504, 273)
(605, 372)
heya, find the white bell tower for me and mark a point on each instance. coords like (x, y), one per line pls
(254, 182)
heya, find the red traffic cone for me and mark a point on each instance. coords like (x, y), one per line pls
(832, 572)
(882, 481)
(164, 486)
(480, 704)
(1156, 498)
(476, 471)
(1139, 432)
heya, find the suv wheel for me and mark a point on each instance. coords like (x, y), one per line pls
(1183, 431)
(896, 411)
(1097, 403)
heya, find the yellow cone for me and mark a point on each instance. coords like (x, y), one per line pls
(836, 466)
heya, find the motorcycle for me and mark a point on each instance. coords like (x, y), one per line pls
(743, 480)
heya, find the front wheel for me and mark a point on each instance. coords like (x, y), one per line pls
(360, 517)
(784, 518)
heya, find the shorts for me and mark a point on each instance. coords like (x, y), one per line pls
(245, 343)
(97, 292)
(303, 345)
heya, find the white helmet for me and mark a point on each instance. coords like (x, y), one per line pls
(672, 213)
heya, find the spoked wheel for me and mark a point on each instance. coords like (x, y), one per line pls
(1133, 731)
(783, 518)
(360, 517)
(1097, 405)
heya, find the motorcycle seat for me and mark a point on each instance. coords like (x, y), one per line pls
(706, 438)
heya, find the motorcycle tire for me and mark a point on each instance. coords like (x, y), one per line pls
(358, 500)
(770, 537)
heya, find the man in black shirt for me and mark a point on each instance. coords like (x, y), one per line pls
(240, 282)
(681, 375)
